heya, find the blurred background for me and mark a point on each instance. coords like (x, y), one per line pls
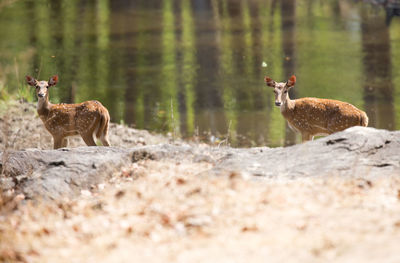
(195, 68)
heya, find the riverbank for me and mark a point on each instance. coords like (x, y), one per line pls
(153, 199)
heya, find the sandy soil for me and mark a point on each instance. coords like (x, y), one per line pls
(173, 211)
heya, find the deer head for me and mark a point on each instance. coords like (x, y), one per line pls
(42, 86)
(281, 89)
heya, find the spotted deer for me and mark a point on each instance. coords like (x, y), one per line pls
(63, 120)
(311, 116)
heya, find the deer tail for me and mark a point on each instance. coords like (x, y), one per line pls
(364, 119)
(103, 125)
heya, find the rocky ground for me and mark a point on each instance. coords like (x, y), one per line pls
(153, 199)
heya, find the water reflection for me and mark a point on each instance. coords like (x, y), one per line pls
(377, 66)
(208, 90)
(288, 16)
(194, 68)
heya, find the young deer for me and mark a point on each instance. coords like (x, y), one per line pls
(312, 116)
(63, 120)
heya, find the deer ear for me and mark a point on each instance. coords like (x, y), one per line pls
(269, 82)
(30, 80)
(53, 80)
(291, 81)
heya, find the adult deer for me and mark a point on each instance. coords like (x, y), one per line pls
(63, 120)
(312, 116)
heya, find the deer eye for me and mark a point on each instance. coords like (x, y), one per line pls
(285, 91)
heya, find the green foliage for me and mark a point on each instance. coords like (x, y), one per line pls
(25, 93)
(4, 94)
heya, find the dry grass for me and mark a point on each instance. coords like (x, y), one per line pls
(170, 211)
(8, 205)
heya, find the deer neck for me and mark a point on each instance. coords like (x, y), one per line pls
(43, 107)
(288, 105)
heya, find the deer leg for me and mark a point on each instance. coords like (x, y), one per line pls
(305, 137)
(104, 133)
(104, 140)
(88, 139)
(64, 143)
(57, 142)
(104, 137)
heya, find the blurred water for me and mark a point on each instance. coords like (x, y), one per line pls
(196, 68)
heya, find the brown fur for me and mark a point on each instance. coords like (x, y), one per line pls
(312, 116)
(63, 120)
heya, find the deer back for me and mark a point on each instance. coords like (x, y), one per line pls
(73, 119)
(322, 116)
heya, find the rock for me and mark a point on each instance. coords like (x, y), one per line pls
(52, 174)
(357, 152)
